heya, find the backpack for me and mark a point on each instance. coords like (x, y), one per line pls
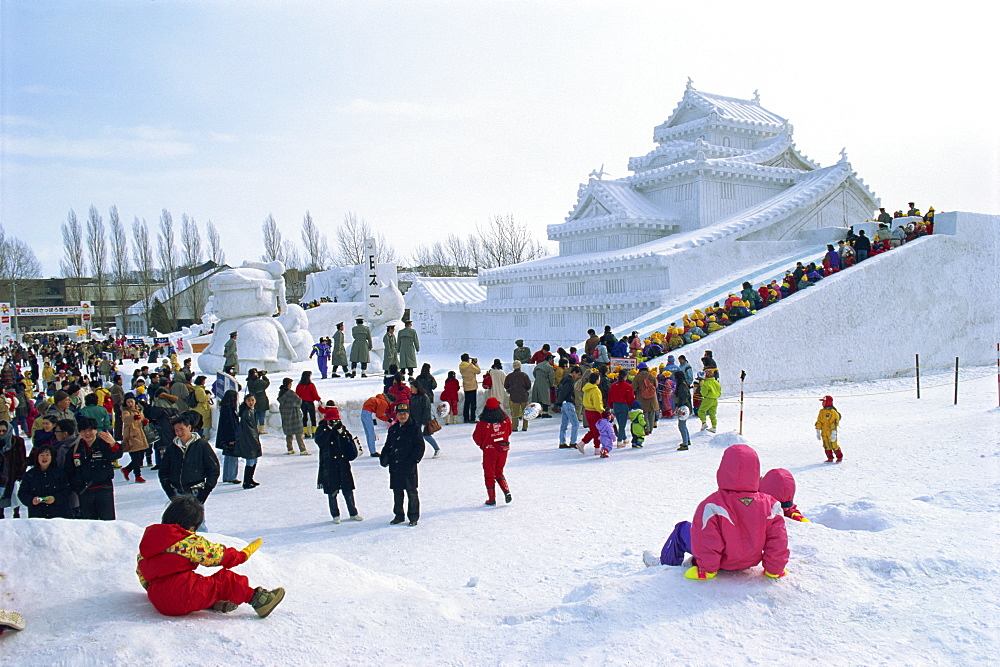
(191, 400)
(487, 380)
(648, 389)
(109, 404)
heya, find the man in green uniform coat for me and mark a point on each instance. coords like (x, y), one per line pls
(339, 355)
(361, 347)
(232, 363)
(409, 345)
(389, 355)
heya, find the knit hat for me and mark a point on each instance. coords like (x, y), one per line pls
(492, 403)
(642, 366)
(128, 396)
(59, 396)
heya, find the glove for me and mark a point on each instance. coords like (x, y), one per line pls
(252, 547)
(819, 434)
(775, 576)
(693, 573)
(833, 436)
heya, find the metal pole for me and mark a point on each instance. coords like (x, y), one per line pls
(956, 381)
(918, 374)
(14, 292)
(743, 376)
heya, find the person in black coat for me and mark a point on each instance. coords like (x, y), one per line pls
(93, 473)
(189, 466)
(159, 414)
(225, 436)
(404, 447)
(45, 488)
(248, 441)
(337, 448)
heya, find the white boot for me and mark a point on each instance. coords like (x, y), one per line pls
(651, 559)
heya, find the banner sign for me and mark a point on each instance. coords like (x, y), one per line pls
(5, 322)
(161, 341)
(372, 288)
(223, 383)
(136, 341)
(627, 364)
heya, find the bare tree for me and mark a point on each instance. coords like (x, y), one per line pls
(143, 247)
(351, 236)
(166, 244)
(290, 255)
(506, 242)
(17, 259)
(74, 262)
(315, 244)
(97, 248)
(193, 257)
(272, 240)
(215, 251)
(119, 258)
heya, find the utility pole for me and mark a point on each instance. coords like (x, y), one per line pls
(13, 284)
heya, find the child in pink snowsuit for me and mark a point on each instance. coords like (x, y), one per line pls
(738, 526)
(780, 485)
(607, 432)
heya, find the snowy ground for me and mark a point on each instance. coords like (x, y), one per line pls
(898, 567)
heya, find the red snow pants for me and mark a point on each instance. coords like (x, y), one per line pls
(494, 459)
(186, 592)
(593, 434)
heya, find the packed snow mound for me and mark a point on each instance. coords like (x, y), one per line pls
(728, 439)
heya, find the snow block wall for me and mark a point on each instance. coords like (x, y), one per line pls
(938, 296)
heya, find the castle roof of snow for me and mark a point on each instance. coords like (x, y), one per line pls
(449, 291)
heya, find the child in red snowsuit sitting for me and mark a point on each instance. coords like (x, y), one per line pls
(170, 552)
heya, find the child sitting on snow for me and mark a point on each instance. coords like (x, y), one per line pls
(826, 429)
(607, 435)
(735, 528)
(170, 552)
(637, 425)
(780, 485)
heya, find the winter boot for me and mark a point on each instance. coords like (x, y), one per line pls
(139, 479)
(682, 447)
(506, 489)
(829, 455)
(248, 481)
(491, 496)
(524, 424)
(264, 601)
(711, 429)
(840, 454)
(704, 426)
(224, 606)
(125, 472)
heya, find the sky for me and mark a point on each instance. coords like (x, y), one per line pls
(427, 118)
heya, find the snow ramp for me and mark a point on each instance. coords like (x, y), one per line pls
(660, 319)
(937, 296)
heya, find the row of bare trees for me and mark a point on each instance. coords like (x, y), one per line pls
(17, 260)
(348, 245)
(500, 242)
(103, 252)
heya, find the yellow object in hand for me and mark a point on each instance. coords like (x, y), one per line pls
(252, 547)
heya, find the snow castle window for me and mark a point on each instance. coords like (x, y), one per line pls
(535, 291)
(728, 190)
(685, 192)
(557, 321)
(615, 285)
(576, 289)
(521, 320)
(725, 141)
(595, 320)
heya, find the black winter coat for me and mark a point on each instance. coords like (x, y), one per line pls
(247, 437)
(160, 418)
(337, 448)
(92, 466)
(195, 471)
(38, 484)
(229, 427)
(564, 392)
(682, 395)
(428, 384)
(404, 447)
(420, 409)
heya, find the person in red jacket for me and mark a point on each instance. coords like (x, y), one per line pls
(170, 552)
(492, 434)
(621, 396)
(306, 391)
(450, 396)
(738, 527)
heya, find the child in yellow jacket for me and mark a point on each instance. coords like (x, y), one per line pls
(826, 429)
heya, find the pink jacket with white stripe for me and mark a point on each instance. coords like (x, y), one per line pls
(738, 527)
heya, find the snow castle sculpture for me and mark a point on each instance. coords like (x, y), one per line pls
(246, 300)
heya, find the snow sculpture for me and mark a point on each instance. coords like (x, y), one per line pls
(245, 300)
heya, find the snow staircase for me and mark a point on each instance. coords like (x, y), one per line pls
(660, 318)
